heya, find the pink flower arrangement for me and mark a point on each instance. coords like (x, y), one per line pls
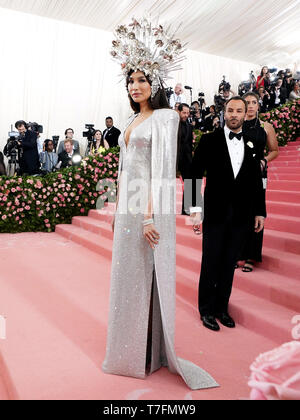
(275, 375)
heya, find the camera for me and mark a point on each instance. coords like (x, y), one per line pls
(13, 151)
(89, 134)
(33, 126)
(169, 92)
(224, 85)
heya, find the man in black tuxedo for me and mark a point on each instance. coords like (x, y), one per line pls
(111, 134)
(233, 203)
(185, 147)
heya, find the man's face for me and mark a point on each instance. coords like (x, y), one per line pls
(70, 134)
(184, 114)
(178, 89)
(68, 147)
(235, 114)
(279, 83)
(22, 129)
(109, 123)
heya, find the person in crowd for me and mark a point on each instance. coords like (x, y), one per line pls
(178, 96)
(140, 337)
(69, 135)
(176, 106)
(111, 134)
(233, 204)
(261, 134)
(185, 148)
(97, 144)
(264, 79)
(264, 99)
(288, 82)
(65, 158)
(29, 158)
(208, 121)
(278, 95)
(198, 122)
(48, 158)
(216, 123)
(2, 165)
(295, 92)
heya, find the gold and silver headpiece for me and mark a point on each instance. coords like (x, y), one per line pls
(155, 51)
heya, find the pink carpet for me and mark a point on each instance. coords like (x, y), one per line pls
(55, 291)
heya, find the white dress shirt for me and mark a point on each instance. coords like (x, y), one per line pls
(177, 98)
(236, 150)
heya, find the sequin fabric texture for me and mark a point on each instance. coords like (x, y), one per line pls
(137, 270)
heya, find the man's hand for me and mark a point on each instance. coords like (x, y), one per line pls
(259, 223)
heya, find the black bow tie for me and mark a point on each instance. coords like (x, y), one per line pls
(232, 135)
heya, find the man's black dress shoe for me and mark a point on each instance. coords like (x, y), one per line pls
(209, 321)
(226, 320)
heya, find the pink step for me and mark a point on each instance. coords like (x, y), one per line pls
(285, 170)
(283, 176)
(101, 228)
(282, 241)
(285, 196)
(284, 185)
(284, 164)
(284, 223)
(288, 158)
(252, 312)
(285, 209)
(279, 262)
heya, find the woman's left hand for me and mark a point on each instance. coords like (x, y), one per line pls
(151, 235)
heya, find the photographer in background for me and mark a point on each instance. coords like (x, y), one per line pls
(178, 96)
(264, 79)
(278, 94)
(48, 158)
(29, 158)
(66, 157)
(209, 119)
(2, 165)
(264, 100)
(69, 133)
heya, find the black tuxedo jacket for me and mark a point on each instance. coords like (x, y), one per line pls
(282, 97)
(112, 136)
(30, 162)
(185, 149)
(244, 194)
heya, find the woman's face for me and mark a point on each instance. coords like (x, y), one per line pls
(98, 136)
(253, 106)
(139, 88)
(296, 87)
(265, 70)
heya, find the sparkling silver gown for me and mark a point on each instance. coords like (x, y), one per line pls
(141, 326)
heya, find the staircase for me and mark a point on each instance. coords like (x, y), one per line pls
(57, 317)
(264, 301)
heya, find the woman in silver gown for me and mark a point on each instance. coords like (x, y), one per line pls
(142, 303)
(141, 325)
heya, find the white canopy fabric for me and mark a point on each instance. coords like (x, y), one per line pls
(257, 31)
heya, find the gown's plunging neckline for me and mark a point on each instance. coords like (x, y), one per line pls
(127, 144)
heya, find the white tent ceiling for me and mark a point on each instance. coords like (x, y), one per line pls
(258, 31)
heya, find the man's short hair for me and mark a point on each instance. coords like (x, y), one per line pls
(109, 118)
(181, 106)
(236, 98)
(20, 123)
(69, 141)
(69, 129)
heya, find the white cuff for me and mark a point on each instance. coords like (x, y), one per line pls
(195, 210)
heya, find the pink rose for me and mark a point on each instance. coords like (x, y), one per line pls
(276, 374)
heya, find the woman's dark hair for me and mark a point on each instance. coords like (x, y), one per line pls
(69, 129)
(159, 101)
(254, 95)
(46, 142)
(102, 139)
(262, 71)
